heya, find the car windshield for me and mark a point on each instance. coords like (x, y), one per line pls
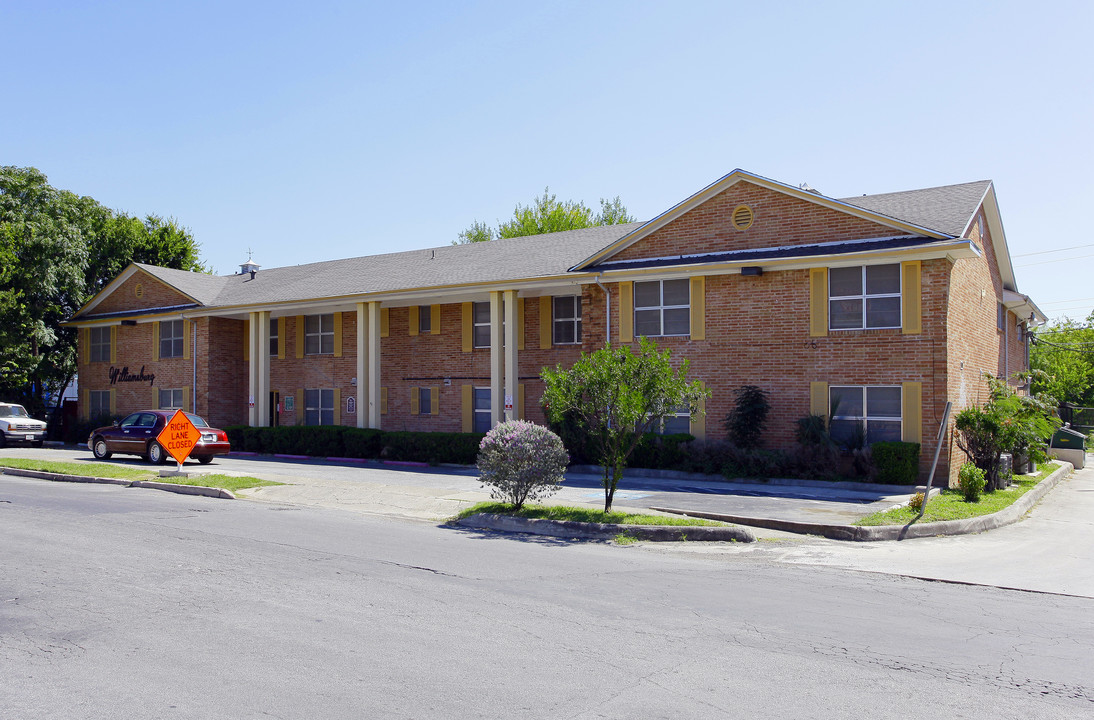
(13, 411)
(198, 422)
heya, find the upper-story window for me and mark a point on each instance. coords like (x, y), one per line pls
(425, 319)
(100, 344)
(662, 307)
(273, 337)
(171, 339)
(480, 319)
(567, 320)
(319, 334)
(864, 297)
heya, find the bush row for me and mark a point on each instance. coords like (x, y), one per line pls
(351, 442)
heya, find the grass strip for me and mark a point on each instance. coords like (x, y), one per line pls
(576, 514)
(120, 472)
(951, 505)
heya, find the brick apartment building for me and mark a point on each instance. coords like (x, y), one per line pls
(875, 310)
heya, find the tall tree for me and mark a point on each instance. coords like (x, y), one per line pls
(547, 214)
(57, 250)
(1064, 352)
(616, 396)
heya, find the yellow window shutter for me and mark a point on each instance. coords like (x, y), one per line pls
(434, 319)
(385, 322)
(186, 398)
(468, 407)
(186, 339)
(282, 338)
(337, 406)
(698, 308)
(383, 401)
(818, 398)
(468, 327)
(414, 406)
(520, 401)
(300, 337)
(113, 402)
(156, 341)
(301, 405)
(545, 320)
(911, 301)
(818, 303)
(113, 344)
(84, 341)
(337, 334)
(434, 401)
(699, 421)
(520, 323)
(246, 340)
(912, 412)
(414, 320)
(85, 403)
(626, 312)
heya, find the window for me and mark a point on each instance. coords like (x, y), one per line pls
(864, 414)
(482, 411)
(171, 344)
(171, 399)
(1000, 317)
(864, 297)
(480, 319)
(273, 337)
(425, 319)
(99, 404)
(100, 344)
(319, 334)
(676, 423)
(319, 407)
(662, 307)
(425, 401)
(567, 320)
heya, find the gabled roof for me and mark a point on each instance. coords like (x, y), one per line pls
(947, 208)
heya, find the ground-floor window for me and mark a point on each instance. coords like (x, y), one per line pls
(98, 404)
(482, 410)
(678, 422)
(319, 407)
(864, 414)
(171, 399)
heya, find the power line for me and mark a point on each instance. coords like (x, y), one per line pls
(1043, 252)
(1046, 262)
(1061, 302)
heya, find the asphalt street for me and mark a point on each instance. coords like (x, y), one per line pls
(124, 602)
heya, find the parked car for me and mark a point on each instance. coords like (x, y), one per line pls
(18, 427)
(136, 434)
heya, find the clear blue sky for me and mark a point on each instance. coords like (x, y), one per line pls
(313, 131)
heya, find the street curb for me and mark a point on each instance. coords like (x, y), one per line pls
(168, 487)
(605, 531)
(967, 526)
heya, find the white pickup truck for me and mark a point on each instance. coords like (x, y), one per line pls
(18, 427)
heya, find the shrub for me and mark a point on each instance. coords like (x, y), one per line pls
(521, 461)
(916, 502)
(897, 463)
(661, 452)
(745, 423)
(363, 442)
(431, 447)
(971, 480)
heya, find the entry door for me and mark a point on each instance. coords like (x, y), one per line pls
(275, 409)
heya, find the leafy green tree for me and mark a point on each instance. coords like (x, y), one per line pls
(57, 250)
(1064, 353)
(547, 214)
(616, 396)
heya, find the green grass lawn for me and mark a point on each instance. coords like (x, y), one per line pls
(561, 512)
(950, 505)
(121, 472)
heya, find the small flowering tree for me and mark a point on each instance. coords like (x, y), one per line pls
(521, 461)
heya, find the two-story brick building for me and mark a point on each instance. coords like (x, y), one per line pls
(875, 310)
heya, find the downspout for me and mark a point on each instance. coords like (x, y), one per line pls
(194, 358)
(608, 315)
(1006, 346)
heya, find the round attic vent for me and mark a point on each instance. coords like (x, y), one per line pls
(743, 217)
(138, 290)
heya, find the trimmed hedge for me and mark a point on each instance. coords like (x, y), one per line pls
(366, 443)
(897, 463)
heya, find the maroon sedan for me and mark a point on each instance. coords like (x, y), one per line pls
(136, 434)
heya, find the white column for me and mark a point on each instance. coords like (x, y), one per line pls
(497, 360)
(363, 413)
(511, 327)
(373, 366)
(258, 385)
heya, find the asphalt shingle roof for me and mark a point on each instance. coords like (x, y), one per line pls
(945, 209)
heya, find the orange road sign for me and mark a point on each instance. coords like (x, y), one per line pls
(179, 436)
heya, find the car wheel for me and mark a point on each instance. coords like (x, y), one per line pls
(205, 460)
(156, 455)
(98, 448)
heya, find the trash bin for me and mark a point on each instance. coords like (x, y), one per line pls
(1070, 446)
